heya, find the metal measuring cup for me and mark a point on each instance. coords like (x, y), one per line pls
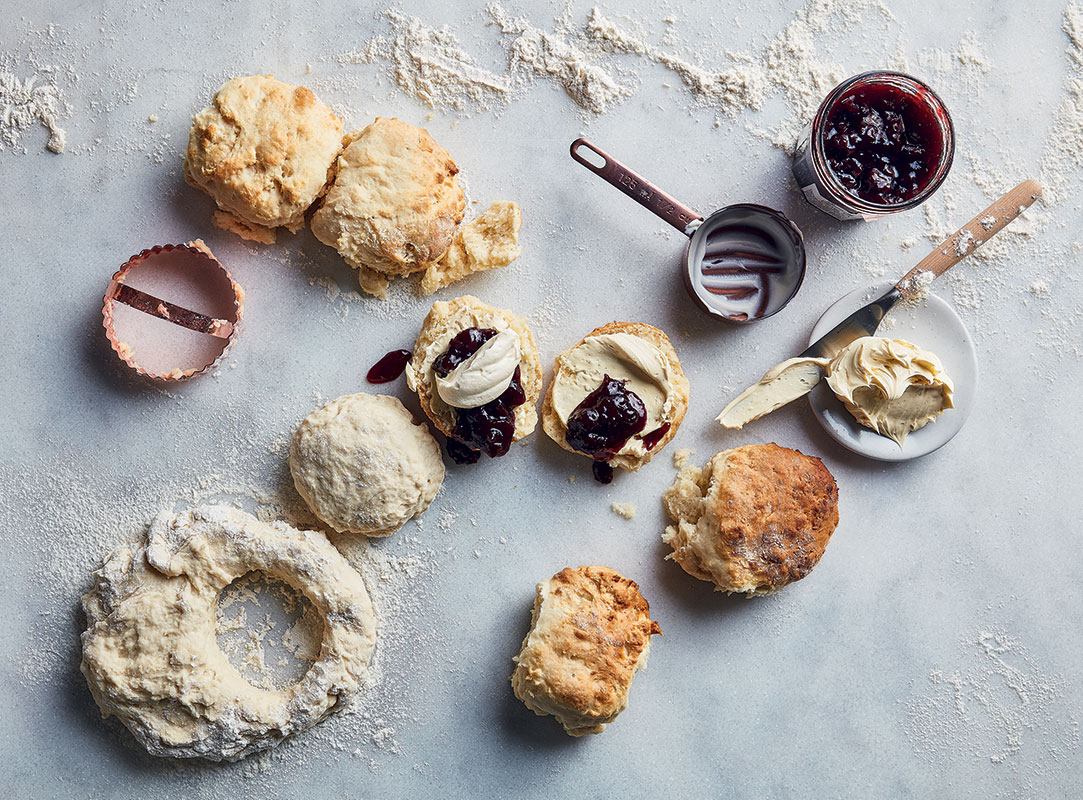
(743, 263)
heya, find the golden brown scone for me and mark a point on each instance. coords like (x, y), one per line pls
(394, 204)
(488, 242)
(635, 454)
(589, 634)
(753, 519)
(444, 321)
(263, 150)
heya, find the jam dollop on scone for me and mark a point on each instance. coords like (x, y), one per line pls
(590, 633)
(752, 519)
(395, 203)
(264, 150)
(618, 396)
(477, 373)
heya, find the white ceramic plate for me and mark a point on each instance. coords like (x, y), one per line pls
(932, 325)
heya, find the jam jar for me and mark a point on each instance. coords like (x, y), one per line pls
(881, 142)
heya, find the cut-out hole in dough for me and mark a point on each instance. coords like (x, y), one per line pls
(268, 630)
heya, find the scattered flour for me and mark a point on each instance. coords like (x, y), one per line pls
(554, 56)
(26, 101)
(997, 706)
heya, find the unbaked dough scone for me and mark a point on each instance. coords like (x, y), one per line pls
(632, 351)
(589, 634)
(753, 519)
(364, 465)
(264, 151)
(442, 324)
(150, 655)
(394, 205)
(487, 242)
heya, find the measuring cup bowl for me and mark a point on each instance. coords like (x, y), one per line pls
(743, 263)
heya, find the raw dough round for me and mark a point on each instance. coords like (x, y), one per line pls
(264, 150)
(150, 655)
(364, 466)
(753, 518)
(394, 205)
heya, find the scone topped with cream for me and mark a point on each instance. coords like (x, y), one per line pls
(477, 373)
(395, 203)
(618, 396)
(264, 151)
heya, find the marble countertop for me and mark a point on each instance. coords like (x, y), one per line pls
(934, 651)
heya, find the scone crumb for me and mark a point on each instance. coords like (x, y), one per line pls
(487, 242)
(681, 457)
(626, 510)
(246, 230)
(571, 479)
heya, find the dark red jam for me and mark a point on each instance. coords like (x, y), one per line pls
(603, 473)
(389, 367)
(604, 422)
(486, 429)
(651, 440)
(883, 144)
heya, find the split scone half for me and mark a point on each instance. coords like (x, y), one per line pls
(753, 519)
(264, 151)
(590, 633)
(478, 375)
(585, 414)
(394, 205)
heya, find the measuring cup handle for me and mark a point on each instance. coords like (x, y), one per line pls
(638, 188)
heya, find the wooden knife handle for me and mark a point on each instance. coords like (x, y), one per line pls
(973, 235)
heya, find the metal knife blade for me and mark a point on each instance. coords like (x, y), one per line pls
(862, 322)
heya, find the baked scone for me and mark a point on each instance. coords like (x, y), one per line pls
(264, 151)
(364, 465)
(753, 519)
(633, 352)
(394, 204)
(589, 634)
(487, 242)
(467, 331)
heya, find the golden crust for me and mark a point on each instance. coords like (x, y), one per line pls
(395, 203)
(556, 429)
(487, 242)
(444, 321)
(590, 633)
(753, 519)
(264, 150)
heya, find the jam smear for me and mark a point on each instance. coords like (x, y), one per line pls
(603, 473)
(606, 419)
(882, 143)
(487, 429)
(651, 440)
(389, 367)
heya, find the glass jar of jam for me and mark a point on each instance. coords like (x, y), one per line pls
(881, 142)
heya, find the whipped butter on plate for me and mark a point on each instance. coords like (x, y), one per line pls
(889, 385)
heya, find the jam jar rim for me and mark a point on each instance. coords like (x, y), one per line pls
(827, 176)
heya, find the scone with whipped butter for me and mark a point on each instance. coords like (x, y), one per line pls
(264, 150)
(363, 465)
(618, 396)
(589, 634)
(394, 205)
(478, 375)
(753, 519)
